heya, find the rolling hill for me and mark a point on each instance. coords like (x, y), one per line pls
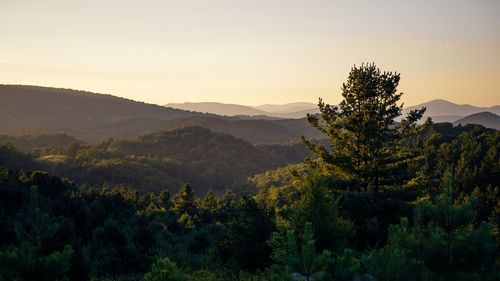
(27, 108)
(96, 117)
(167, 159)
(486, 119)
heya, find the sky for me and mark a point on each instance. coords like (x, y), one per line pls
(252, 52)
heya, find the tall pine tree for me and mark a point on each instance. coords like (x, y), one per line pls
(366, 141)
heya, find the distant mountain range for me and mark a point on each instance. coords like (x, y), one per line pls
(439, 110)
(289, 110)
(224, 109)
(445, 111)
(94, 117)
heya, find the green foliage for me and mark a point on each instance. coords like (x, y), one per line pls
(470, 153)
(39, 224)
(245, 243)
(393, 264)
(344, 266)
(25, 262)
(444, 244)
(225, 275)
(164, 270)
(301, 260)
(185, 206)
(28, 261)
(111, 250)
(275, 187)
(317, 206)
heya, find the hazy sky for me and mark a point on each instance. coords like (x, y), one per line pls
(252, 52)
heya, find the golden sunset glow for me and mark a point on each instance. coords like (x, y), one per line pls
(252, 52)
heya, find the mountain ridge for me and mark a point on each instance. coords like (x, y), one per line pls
(225, 109)
(440, 107)
(288, 110)
(67, 108)
(486, 119)
(93, 117)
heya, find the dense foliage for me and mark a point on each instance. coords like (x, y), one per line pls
(162, 160)
(436, 218)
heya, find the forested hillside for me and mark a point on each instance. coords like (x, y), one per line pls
(375, 199)
(29, 143)
(162, 160)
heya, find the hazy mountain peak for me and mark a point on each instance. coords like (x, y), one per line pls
(486, 119)
(440, 107)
